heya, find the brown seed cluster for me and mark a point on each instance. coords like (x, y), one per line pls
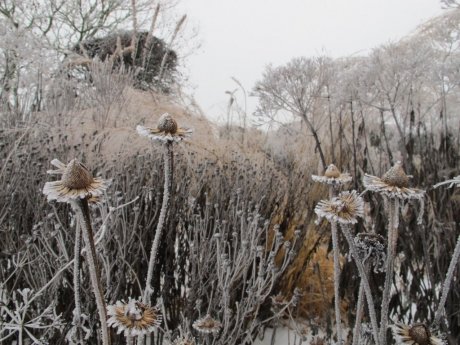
(167, 124)
(144, 319)
(396, 176)
(332, 171)
(420, 334)
(76, 176)
(207, 325)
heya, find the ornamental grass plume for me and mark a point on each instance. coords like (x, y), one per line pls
(207, 325)
(133, 318)
(417, 334)
(77, 186)
(394, 186)
(343, 209)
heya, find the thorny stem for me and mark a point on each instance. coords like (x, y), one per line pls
(365, 281)
(447, 283)
(391, 253)
(335, 246)
(82, 210)
(168, 168)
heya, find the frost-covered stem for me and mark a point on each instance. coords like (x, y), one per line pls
(389, 267)
(76, 278)
(359, 310)
(82, 210)
(447, 283)
(168, 168)
(335, 247)
(129, 340)
(161, 220)
(366, 286)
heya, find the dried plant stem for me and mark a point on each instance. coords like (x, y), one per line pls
(168, 167)
(82, 210)
(447, 283)
(165, 56)
(366, 286)
(134, 38)
(359, 310)
(389, 267)
(150, 35)
(76, 278)
(335, 247)
(161, 220)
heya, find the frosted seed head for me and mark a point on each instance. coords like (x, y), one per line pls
(76, 176)
(207, 325)
(167, 124)
(332, 171)
(420, 334)
(396, 176)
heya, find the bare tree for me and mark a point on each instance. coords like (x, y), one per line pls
(296, 88)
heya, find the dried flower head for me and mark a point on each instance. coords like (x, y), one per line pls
(396, 176)
(279, 300)
(207, 325)
(76, 183)
(166, 130)
(333, 176)
(345, 208)
(133, 318)
(417, 334)
(184, 341)
(394, 184)
(371, 248)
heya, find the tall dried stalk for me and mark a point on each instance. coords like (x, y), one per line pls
(76, 282)
(367, 289)
(82, 211)
(447, 283)
(335, 248)
(165, 57)
(168, 175)
(389, 269)
(335, 245)
(359, 310)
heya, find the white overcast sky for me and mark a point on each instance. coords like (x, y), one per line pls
(240, 37)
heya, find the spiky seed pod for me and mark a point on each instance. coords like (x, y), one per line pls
(421, 334)
(396, 176)
(76, 175)
(207, 325)
(417, 334)
(167, 124)
(332, 176)
(133, 318)
(76, 183)
(345, 208)
(166, 130)
(332, 171)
